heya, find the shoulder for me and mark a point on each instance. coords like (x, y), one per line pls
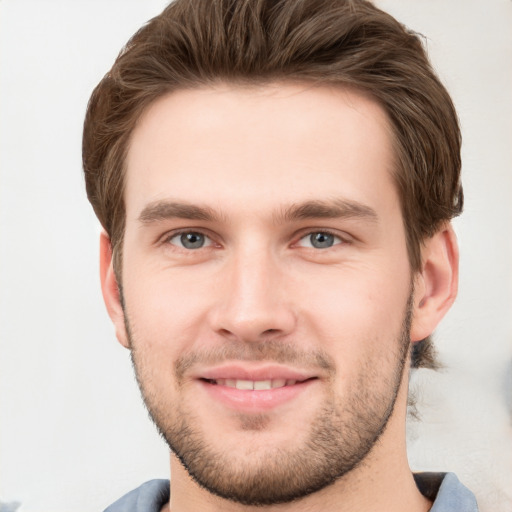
(149, 497)
(446, 491)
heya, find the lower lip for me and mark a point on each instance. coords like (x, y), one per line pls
(255, 400)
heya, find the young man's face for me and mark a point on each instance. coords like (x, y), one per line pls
(265, 248)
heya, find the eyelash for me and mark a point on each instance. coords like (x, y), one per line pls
(169, 236)
(343, 240)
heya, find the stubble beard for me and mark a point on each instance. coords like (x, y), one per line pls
(340, 437)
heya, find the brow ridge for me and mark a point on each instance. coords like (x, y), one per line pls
(163, 210)
(313, 209)
(329, 209)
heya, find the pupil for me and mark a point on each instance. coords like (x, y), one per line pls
(192, 240)
(322, 240)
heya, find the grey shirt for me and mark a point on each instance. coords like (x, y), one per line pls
(444, 489)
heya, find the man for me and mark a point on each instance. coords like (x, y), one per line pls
(276, 181)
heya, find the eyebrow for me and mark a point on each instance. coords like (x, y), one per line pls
(315, 209)
(163, 210)
(329, 209)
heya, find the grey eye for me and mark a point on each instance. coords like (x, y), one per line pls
(190, 240)
(321, 240)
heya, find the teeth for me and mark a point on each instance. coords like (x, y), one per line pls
(262, 384)
(278, 383)
(244, 384)
(258, 385)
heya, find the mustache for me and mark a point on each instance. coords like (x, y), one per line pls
(271, 350)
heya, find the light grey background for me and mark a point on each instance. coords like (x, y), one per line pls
(74, 435)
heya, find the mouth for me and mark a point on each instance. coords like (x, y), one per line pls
(255, 385)
(255, 389)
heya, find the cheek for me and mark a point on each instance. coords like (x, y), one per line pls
(354, 312)
(353, 294)
(166, 311)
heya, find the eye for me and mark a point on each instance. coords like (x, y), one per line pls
(190, 240)
(320, 240)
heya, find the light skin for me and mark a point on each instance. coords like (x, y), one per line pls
(264, 242)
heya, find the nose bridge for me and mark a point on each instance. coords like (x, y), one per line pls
(255, 304)
(253, 275)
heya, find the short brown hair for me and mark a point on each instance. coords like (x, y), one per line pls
(351, 43)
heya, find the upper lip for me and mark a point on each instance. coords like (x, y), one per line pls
(255, 373)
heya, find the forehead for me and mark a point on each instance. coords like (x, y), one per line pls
(232, 147)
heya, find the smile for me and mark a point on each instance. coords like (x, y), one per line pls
(253, 385)
(256, 395)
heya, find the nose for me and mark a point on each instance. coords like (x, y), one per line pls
(254, 303)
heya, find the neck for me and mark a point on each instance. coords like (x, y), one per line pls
(382, 482)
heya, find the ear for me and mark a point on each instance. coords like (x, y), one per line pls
(110, 290)
(435, 286)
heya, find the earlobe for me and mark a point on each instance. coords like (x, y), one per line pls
(110, 290)
(436, 284)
